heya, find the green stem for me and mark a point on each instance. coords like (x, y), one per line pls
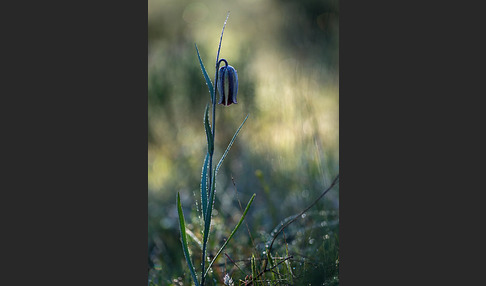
(211, 177)
(207, 221)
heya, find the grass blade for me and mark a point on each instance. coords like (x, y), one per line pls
(253, 269)
(230, 144)
(194, 237)
(208, 80)
(182, 225)
(232, 233)
(270, 260)
(204, 187)
(289, 267)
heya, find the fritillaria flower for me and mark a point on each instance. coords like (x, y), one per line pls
(227, 84)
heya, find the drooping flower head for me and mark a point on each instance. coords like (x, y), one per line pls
(227, 84)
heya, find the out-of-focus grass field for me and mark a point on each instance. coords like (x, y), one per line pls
(286, 55)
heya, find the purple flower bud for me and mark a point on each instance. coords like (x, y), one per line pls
(227, 85)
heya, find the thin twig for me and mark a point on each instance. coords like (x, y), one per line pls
(302, 212)
(235, 263)
(266, 270)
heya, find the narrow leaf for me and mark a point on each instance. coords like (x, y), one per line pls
(221, 38)
(230, 144)
(271, 263)
(231, 235)
(204, 187)
(289, 267)
(207, 127)
(253, 269)
(217, 56)
(208, 80)
(193, 237)
(182, 225)
(207, 219)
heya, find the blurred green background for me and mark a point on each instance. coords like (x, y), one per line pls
(287, 57)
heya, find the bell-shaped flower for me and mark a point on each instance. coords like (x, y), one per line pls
(227, 85)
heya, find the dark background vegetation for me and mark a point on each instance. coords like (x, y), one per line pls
(286, 55)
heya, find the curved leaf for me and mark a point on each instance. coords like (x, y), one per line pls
(182, 225)
(208, 80)
(209, 134)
